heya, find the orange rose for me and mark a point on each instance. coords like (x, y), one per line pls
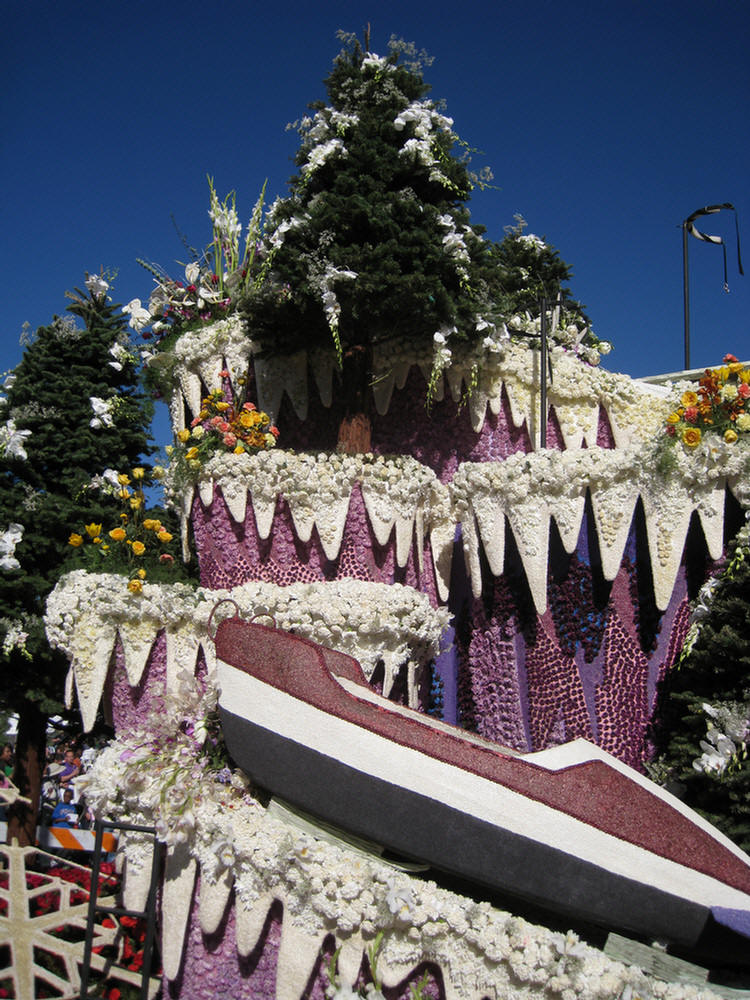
(691, 437)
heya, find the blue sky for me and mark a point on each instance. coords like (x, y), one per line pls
(605, 124)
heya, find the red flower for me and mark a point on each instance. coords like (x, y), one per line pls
(729, 359)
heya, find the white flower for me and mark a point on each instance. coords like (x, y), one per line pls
(97, 285)
(102, 412)
(12, 440)
(121, 356)
(8, 541)
(399, 900)
(139, 317)
(192, 273)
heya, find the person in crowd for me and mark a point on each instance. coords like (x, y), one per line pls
(65, 813)
(70, 770)
(6, 760)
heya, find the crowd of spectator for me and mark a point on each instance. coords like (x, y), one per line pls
(61, 804)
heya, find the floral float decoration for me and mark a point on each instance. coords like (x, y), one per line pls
(720, 406)
(221, 427)
(212, 283)
(133, 546)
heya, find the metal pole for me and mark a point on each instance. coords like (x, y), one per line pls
(686, 292)
(543, 372)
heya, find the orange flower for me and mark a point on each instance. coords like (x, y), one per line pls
(138, 548)
(118, 534)
(691, 437)
(689, 398)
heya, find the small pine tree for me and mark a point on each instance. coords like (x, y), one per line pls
(704, 713)
(528, 268)
(73, 409)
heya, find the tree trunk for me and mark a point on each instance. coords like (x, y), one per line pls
(355, 429)
(31, 760)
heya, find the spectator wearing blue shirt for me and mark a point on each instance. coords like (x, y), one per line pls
(65, 813)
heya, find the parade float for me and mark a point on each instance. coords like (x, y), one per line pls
(513, 550)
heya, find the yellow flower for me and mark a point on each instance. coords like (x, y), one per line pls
(124, 518)
(135, 586)
(75, 540)
(158, 471)
(191, 453)
(168, 448)
(139, 472)
(673, 418)
(92, 530)
(138, 548)
(730, 435)
(743, 422)
(124, 493)
(183, 435)
(151, 524)
(136, 502)
(689, 398)
(164, 536)
(736, 367)
(97, 540)
(691, 437)
(141, 574)
(239, 450)
(221, 406)
(118, 534)
(123, 480)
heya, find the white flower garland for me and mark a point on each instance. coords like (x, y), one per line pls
(373, 622)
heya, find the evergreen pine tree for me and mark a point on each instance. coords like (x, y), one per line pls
(704, 714)
(374, 242)
(73, 410)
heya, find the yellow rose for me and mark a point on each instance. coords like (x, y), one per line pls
(691, 437)
(164, 536)
(139, 472)
(151, 524)
(141, 574)
(118, 534)
(221, 406)
(92, 530)
(689, 398)
(135, 586)
(239, 450)
(730, 435)
(138, 548)
(75, 540)
(183, 435)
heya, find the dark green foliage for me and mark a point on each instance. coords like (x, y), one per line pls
(49, 395)
(379, 189)
(526, 268)
(716, 672)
